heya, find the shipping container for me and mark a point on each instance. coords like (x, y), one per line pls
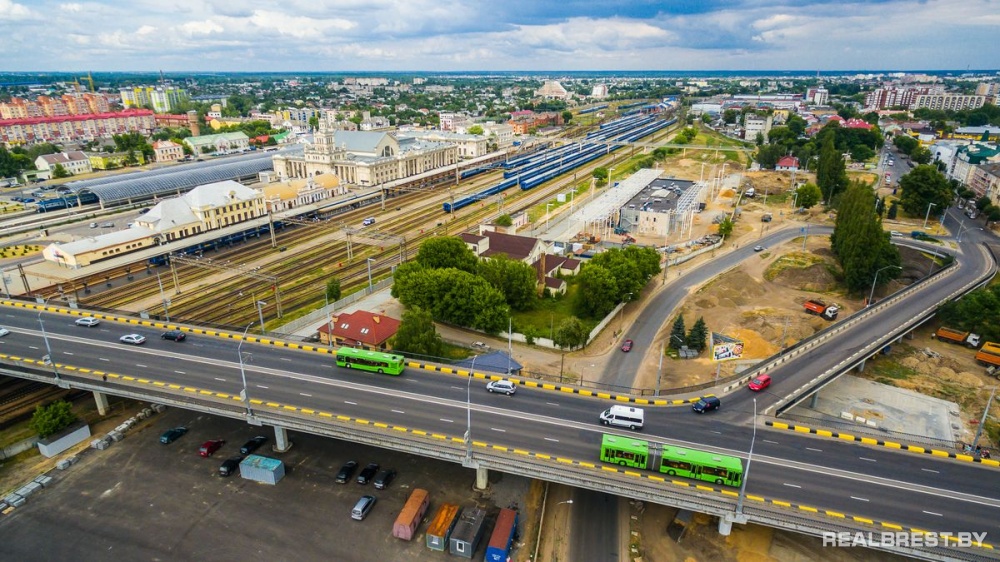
(262, 469)
(413, 511)
(504, 531)
(469, 529)
(442, 524)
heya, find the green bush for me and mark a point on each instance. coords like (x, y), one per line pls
(48, 420)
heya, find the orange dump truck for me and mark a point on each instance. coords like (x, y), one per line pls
(989, 354)
(957, 336)
(828, 311)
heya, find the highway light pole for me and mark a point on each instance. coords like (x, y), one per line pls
(621, 312)
(872, 295)
(48, 349)
(260, 314)
(468, 414)
(928, 215)
(547, 205)
(979, 430)
(746, 474)
(243, 375)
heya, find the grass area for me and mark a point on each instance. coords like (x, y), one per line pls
(887, 370)
(19, 250)
(544, 318)
(793, 260)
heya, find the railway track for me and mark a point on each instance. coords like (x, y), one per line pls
(209, 297)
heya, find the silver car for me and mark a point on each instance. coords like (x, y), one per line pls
(502, 386)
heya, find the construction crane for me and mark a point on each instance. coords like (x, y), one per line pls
(89, 79)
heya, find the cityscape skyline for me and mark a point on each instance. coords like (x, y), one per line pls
(519, 35)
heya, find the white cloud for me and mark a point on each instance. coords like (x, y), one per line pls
(13, 11)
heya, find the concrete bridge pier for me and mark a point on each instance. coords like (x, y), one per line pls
(861, 366)
(482, 478)
(102, 402)
(281, 442)
(813, 398)
(726, 522)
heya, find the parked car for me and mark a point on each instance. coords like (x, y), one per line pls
(760, 383)
(230, 466)
(209, 447)
(175, 335)
(368, 473)
(87, 321)
(252, 445)
(707, 404)
(134, 339)
(346, 472)
(627, 346)
(503, 386)
(362, 508)
(171, 435)
(383, 478)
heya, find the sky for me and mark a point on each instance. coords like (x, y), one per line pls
(530, 35)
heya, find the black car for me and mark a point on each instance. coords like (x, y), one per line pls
(252, 445)
(346, 472)
(175, 335)
(230, 466)
(383, 478)
(171, 435)
(368, 473)
(707, 404)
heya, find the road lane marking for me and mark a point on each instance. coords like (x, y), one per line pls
(859, 499)
(792, 485)
(180, 372)
(445, 420)
(552, 404)
(141, 366)
(261, 386)
(929, 470)
(932, 513)
(398, 412)
(498, 429)
(867, 459)
(220, 380)
(286, 359)
(351, 403)
(304, 394)
(769, 441)
(551, 439)
(812, 449)
(103, 359)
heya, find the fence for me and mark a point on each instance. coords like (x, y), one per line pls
(318, 317)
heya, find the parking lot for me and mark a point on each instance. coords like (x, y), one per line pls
(141, 499)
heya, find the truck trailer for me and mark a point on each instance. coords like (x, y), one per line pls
(819, 308)
(411, 514)
(957, 336)
(989, 355)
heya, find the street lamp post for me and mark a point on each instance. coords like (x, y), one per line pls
(928, 215)
(746, 474)
(872, 295)
(621, 312)
(260, 314)
(468, 414)
(48, 349)
(166, 302)
(547, 205)
(243, 375)
(369, 262)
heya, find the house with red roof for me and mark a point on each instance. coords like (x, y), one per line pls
(787, 164)
(361, 329)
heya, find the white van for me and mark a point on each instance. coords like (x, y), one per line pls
(368, 222)
(624, 416)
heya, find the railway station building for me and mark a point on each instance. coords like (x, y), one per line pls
(366, 158)
(660, 208)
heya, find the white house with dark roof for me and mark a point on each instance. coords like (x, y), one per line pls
(75, 162)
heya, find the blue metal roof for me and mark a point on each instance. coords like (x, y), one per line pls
(494, 362)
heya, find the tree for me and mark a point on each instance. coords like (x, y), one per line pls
(726, 227)
(831, 172)
(515, 279)
(598, 293)
(59, 172)
(48, 420)
(333, 289)
(697, 336)
(808, 195)
(768, 155)
(921, 155)
(452, 295)
(860, 244)
(906, 143)
(475, 130)
(893, 211)
(631, 268)
(677, 334)
(314, 122)
(601, 175)
(921, 187)
(504, 220)
(861, 153)
(567, 116)
(730, 116)
(417, 335)
(447, 251)
(570, 333)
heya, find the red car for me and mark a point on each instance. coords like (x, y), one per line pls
(760, 383)
(209, 447)
(627, 346)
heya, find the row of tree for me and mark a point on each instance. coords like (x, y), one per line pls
(614, 276)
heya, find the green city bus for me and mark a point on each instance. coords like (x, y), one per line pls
(374, 361)
(673, 461)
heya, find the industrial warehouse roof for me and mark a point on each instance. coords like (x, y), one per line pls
(174, 180)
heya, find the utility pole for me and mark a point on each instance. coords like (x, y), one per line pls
(982, 422)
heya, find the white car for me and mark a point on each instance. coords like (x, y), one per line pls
(503, 386)
(134, 339)
(3, 331)
(87, 321)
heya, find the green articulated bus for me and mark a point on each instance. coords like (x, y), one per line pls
(672, 461)
(374, 361)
